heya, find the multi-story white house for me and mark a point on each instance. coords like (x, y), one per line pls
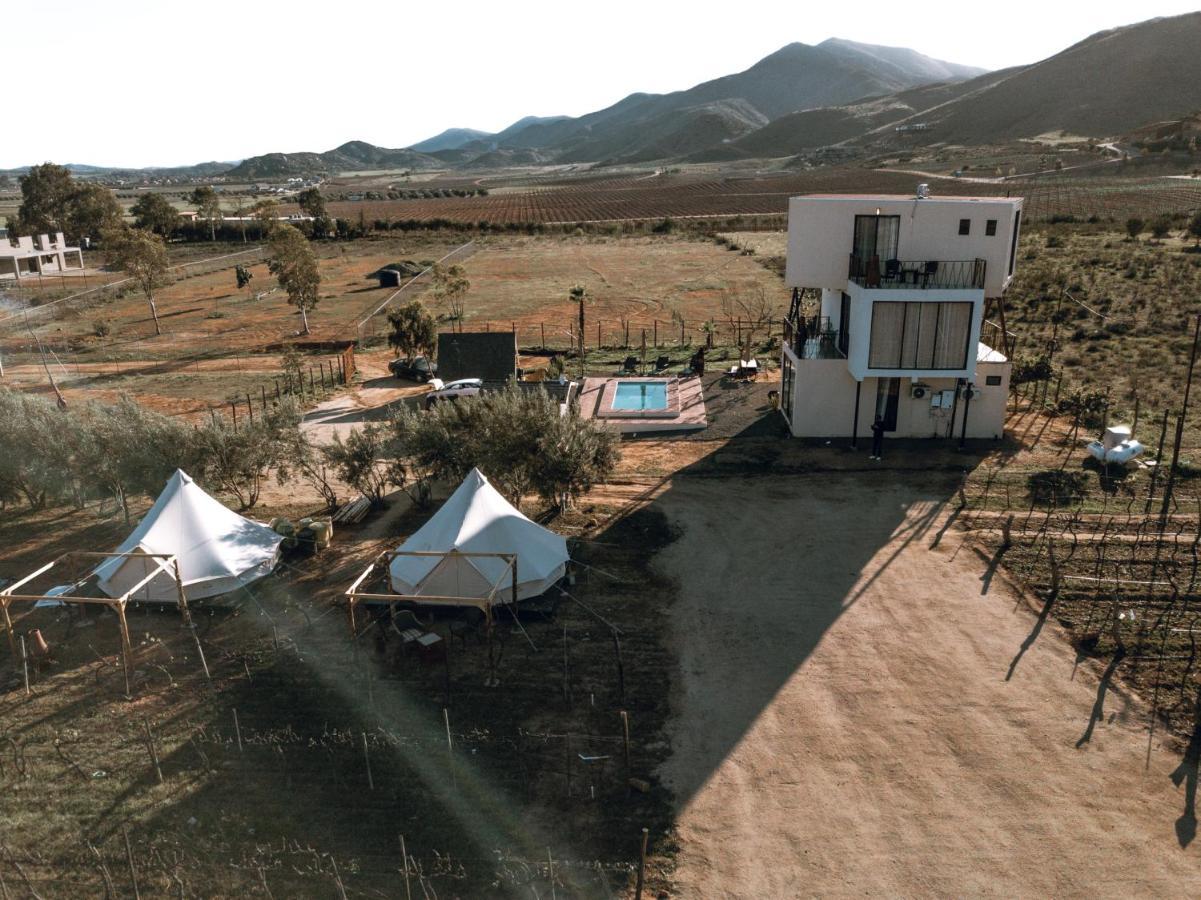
(26, 257)
(903, 283)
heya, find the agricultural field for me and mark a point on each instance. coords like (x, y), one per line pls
(1120, 314)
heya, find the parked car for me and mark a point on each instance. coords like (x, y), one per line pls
(454, 390)
(416, 369)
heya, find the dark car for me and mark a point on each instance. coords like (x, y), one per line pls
(417, 369)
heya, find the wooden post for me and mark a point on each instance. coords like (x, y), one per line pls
(450, 750)
(641, 866)
(25, 666)
(404, 856)
(249, 408)
(263, 389)
(656, 333)
(621, 673)
(126, 649)
(542, 327)
(367, 762)
(237, 731)
(8, 626)
(133, 871)
(200, 650)
(183, 600)
(233, 411)
(625, 739)
(1163, 433)
(158, 770)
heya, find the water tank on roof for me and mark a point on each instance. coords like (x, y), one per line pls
(923, 191)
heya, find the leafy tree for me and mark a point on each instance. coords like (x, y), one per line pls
(45, 198)
(1134, 227)
(518, 439)
(267, 213)
(311, 202)
(238, 459)
(414, 330)
(305, 461)
(1194, 228)
(154, 213)
(578, 295)
(36, 460)
(294, 264)
(244, 276)
(208, 205)
(1160, 228)
(92, 210)
(450, 287)
(143, 257)
(5, 182)
(133, 450)
(362, 461)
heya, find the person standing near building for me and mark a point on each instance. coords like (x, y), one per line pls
(878, 438)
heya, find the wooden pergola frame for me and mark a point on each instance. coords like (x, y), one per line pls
(484, 604)
(164, 562)
(384, 560)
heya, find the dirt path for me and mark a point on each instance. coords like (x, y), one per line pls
(845, 727)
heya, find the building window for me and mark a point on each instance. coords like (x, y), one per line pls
(992, 380)
(965, 226)
(919, 335)
(990, 228)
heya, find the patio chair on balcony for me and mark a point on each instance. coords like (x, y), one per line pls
(629, 366)
(892, 270)
(929, 270)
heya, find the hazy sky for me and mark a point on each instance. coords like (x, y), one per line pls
(166, 82)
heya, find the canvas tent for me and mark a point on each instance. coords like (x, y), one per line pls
(217, 550)
(478, 520)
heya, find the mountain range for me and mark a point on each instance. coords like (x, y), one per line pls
(803, 97)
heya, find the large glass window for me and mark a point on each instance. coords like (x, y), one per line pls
(920, 335)
(876, 236)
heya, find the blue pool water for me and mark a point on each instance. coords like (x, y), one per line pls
(639, 395)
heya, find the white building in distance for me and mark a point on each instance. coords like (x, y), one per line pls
(903, 284)
(29, 257)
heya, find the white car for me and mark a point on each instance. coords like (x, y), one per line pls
(453, 390)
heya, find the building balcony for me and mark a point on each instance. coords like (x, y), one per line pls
(815, 337)
(909, 274)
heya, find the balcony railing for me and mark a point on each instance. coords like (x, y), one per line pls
(935, 274)
(815, 337)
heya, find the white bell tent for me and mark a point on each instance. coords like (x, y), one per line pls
(467, 549)
(217, 550)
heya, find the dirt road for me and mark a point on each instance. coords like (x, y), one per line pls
(845, 727)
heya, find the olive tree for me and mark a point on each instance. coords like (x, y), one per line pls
(294, 264)
(142, 255)
(237, 459)
(154, 213)
(413, 330)
(363, 461)
(519, 439)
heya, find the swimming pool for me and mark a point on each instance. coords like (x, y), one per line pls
(640, 395)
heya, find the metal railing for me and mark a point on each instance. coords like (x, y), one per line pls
(815, 337)
(936, 274)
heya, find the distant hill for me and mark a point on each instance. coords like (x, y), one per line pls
(795, 77)
(351, 156)
(450, 139)
(1112, 83)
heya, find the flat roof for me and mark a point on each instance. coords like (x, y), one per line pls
(903, 197)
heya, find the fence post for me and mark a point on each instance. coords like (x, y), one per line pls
(542, 326)
(233, 408)
(656, 334)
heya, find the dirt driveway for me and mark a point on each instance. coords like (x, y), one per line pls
(845, 726)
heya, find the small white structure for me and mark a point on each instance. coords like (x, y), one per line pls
(470, 536)
(29, 257)
(903, 282)
(217, 550)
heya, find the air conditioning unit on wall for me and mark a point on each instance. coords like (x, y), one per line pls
(919, 391)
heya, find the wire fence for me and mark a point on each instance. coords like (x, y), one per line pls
(30, 301)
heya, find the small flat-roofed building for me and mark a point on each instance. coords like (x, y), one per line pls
(29, 257)
(491, 356)
(888, 313)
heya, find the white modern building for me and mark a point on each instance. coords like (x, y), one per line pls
(889, 296)
(29, 257)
